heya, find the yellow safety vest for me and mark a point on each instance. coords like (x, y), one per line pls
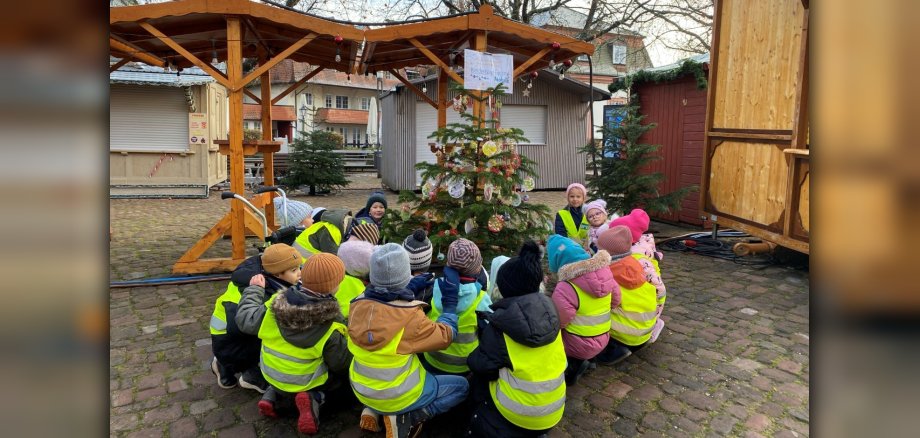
(287, 367)
(654, 262)
(579, 233)
(219, 316)
(306, 248)
(453, 358)
(592, 317)
(349, 289)
(385, 380)
(531, 394)
(631, 323)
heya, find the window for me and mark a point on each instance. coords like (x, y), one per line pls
(618, 53)
(365, 103)
(309, 99)
(328, 101)
(344, 135)
(341, 102)
(530, 118)
(355, 136)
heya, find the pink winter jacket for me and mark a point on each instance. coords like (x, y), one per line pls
(594, 277)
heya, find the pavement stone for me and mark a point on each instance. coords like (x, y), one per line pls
(733, 358)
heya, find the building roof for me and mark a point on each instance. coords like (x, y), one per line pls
(696, 58)
(135, 73)
(289, 71)
(253, 111)
(567, 17)
(569, 84)
(341, 116)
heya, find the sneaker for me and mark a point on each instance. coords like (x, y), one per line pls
(370, 420)
(224, 378)
(309, 411)
(613, 356)
(252, 379)
(267, 403)
(408, 425)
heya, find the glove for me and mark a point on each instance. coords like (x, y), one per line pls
(420, 282)
(449, 285)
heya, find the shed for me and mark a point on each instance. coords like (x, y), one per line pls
(678, 106)
(554, 117)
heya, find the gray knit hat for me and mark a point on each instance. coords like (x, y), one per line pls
(390, 267)
(419, 248)
(297, 211)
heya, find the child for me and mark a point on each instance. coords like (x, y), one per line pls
(304, 349)
(387, 330)
(366, 232)
(235, 351)
(356, 255)
(584, 297)
(643, 250)
(497, 262)
(464, 256)
(325, 235)
(631, 323)
(418, 247)
(518, 368)
(596, 212)
(373, 210)
(570, 221)
(299, 214)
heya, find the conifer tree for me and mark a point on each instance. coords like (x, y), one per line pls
(313, 163)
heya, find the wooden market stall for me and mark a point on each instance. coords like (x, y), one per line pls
(756, 153)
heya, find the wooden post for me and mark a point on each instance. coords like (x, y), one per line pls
(443, 79)
(479, 45)
(268, 157)
(234, 74)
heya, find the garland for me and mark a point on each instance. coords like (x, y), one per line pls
(687, 67)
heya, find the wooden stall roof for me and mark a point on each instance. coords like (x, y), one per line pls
(404, 45)
(200, 27)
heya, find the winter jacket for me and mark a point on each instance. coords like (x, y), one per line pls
(594, 232)
(529, 319)
(594, 277)
(559, 226)
(469, 293)
(374, 323)
(648, 256)
(364, 217)
(319, 237)
(629, 274)
(301, 326)
(469, 290)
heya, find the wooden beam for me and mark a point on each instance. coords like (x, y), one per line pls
(136, 52)
(118, 64)
(204, 266)
(255, 33)
(252, 96)
(297, 85)
(799, 129)
(414, 89)
(268, 176)
(234, 73)
(186, 54)
(442, 98)
(749, 136)
(366, 56)
(421, 47)
(275, 60)
(536, 57)
(479, 44)
(202, 245)
(708, 143)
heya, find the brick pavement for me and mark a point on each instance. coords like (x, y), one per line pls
(732, 361)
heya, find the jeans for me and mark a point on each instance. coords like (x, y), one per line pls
(451, 391)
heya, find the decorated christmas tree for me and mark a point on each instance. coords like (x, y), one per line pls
(313, 162)
(478, 187)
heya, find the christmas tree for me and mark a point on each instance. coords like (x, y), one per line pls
(476, 189)
(313, 162)
(621, 181)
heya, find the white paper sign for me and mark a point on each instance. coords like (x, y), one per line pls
(482, 70)
(198, 128)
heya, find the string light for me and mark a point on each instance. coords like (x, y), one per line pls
(214, 60)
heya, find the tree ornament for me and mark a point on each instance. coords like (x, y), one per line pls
(441, 257)
(487, 191)
(489, 148)
(496, 223)
(469, 225)
(528, 184)
(456, 189)
(516, 200)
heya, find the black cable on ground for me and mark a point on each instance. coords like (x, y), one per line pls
(704, 244)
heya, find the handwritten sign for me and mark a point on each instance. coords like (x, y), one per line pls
(482, 70)
(198, 128)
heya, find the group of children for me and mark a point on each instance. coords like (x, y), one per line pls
(338, 317)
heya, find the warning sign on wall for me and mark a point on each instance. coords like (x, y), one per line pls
(198, 128)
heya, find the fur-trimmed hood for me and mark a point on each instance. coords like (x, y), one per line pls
(316, 310)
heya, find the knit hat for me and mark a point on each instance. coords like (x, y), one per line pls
(390, 267)
(322, 273)
(568, 189)
(616, 241)
(562, 251)
(318, 213)
(419, 248)
(521, 274)
(598, 204)
(463, 255)
(366, 232)
(497, 263)
(637, 221)
(356, 255)
(297, 211)
(279, 258)
(376, 197)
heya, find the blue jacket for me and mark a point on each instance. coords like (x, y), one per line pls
(576, 217)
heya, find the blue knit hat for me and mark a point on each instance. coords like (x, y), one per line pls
(562, 251)
(376, 197)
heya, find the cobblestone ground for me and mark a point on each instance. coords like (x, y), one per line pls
(732, 361)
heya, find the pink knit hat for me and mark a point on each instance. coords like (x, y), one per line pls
(637, 221)
(598, 204)
(576, 186)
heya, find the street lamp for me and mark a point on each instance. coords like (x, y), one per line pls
(303, 116)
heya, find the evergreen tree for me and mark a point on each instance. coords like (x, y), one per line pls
(621, 181)
(313, 163)
(476, 189)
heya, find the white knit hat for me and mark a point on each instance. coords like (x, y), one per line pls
(297, 211)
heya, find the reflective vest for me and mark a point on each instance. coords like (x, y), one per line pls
(385, 380)
(654, 262)
(349, 289)
(287, 367)
(306, 248)
(219, 316)
(580, 233)
(631, 323)
(531, 394)
(592, 317)
(453, 358)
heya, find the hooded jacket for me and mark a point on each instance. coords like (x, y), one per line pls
(629, 274)
(320, 238)
(594, 277)
(300, 325)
